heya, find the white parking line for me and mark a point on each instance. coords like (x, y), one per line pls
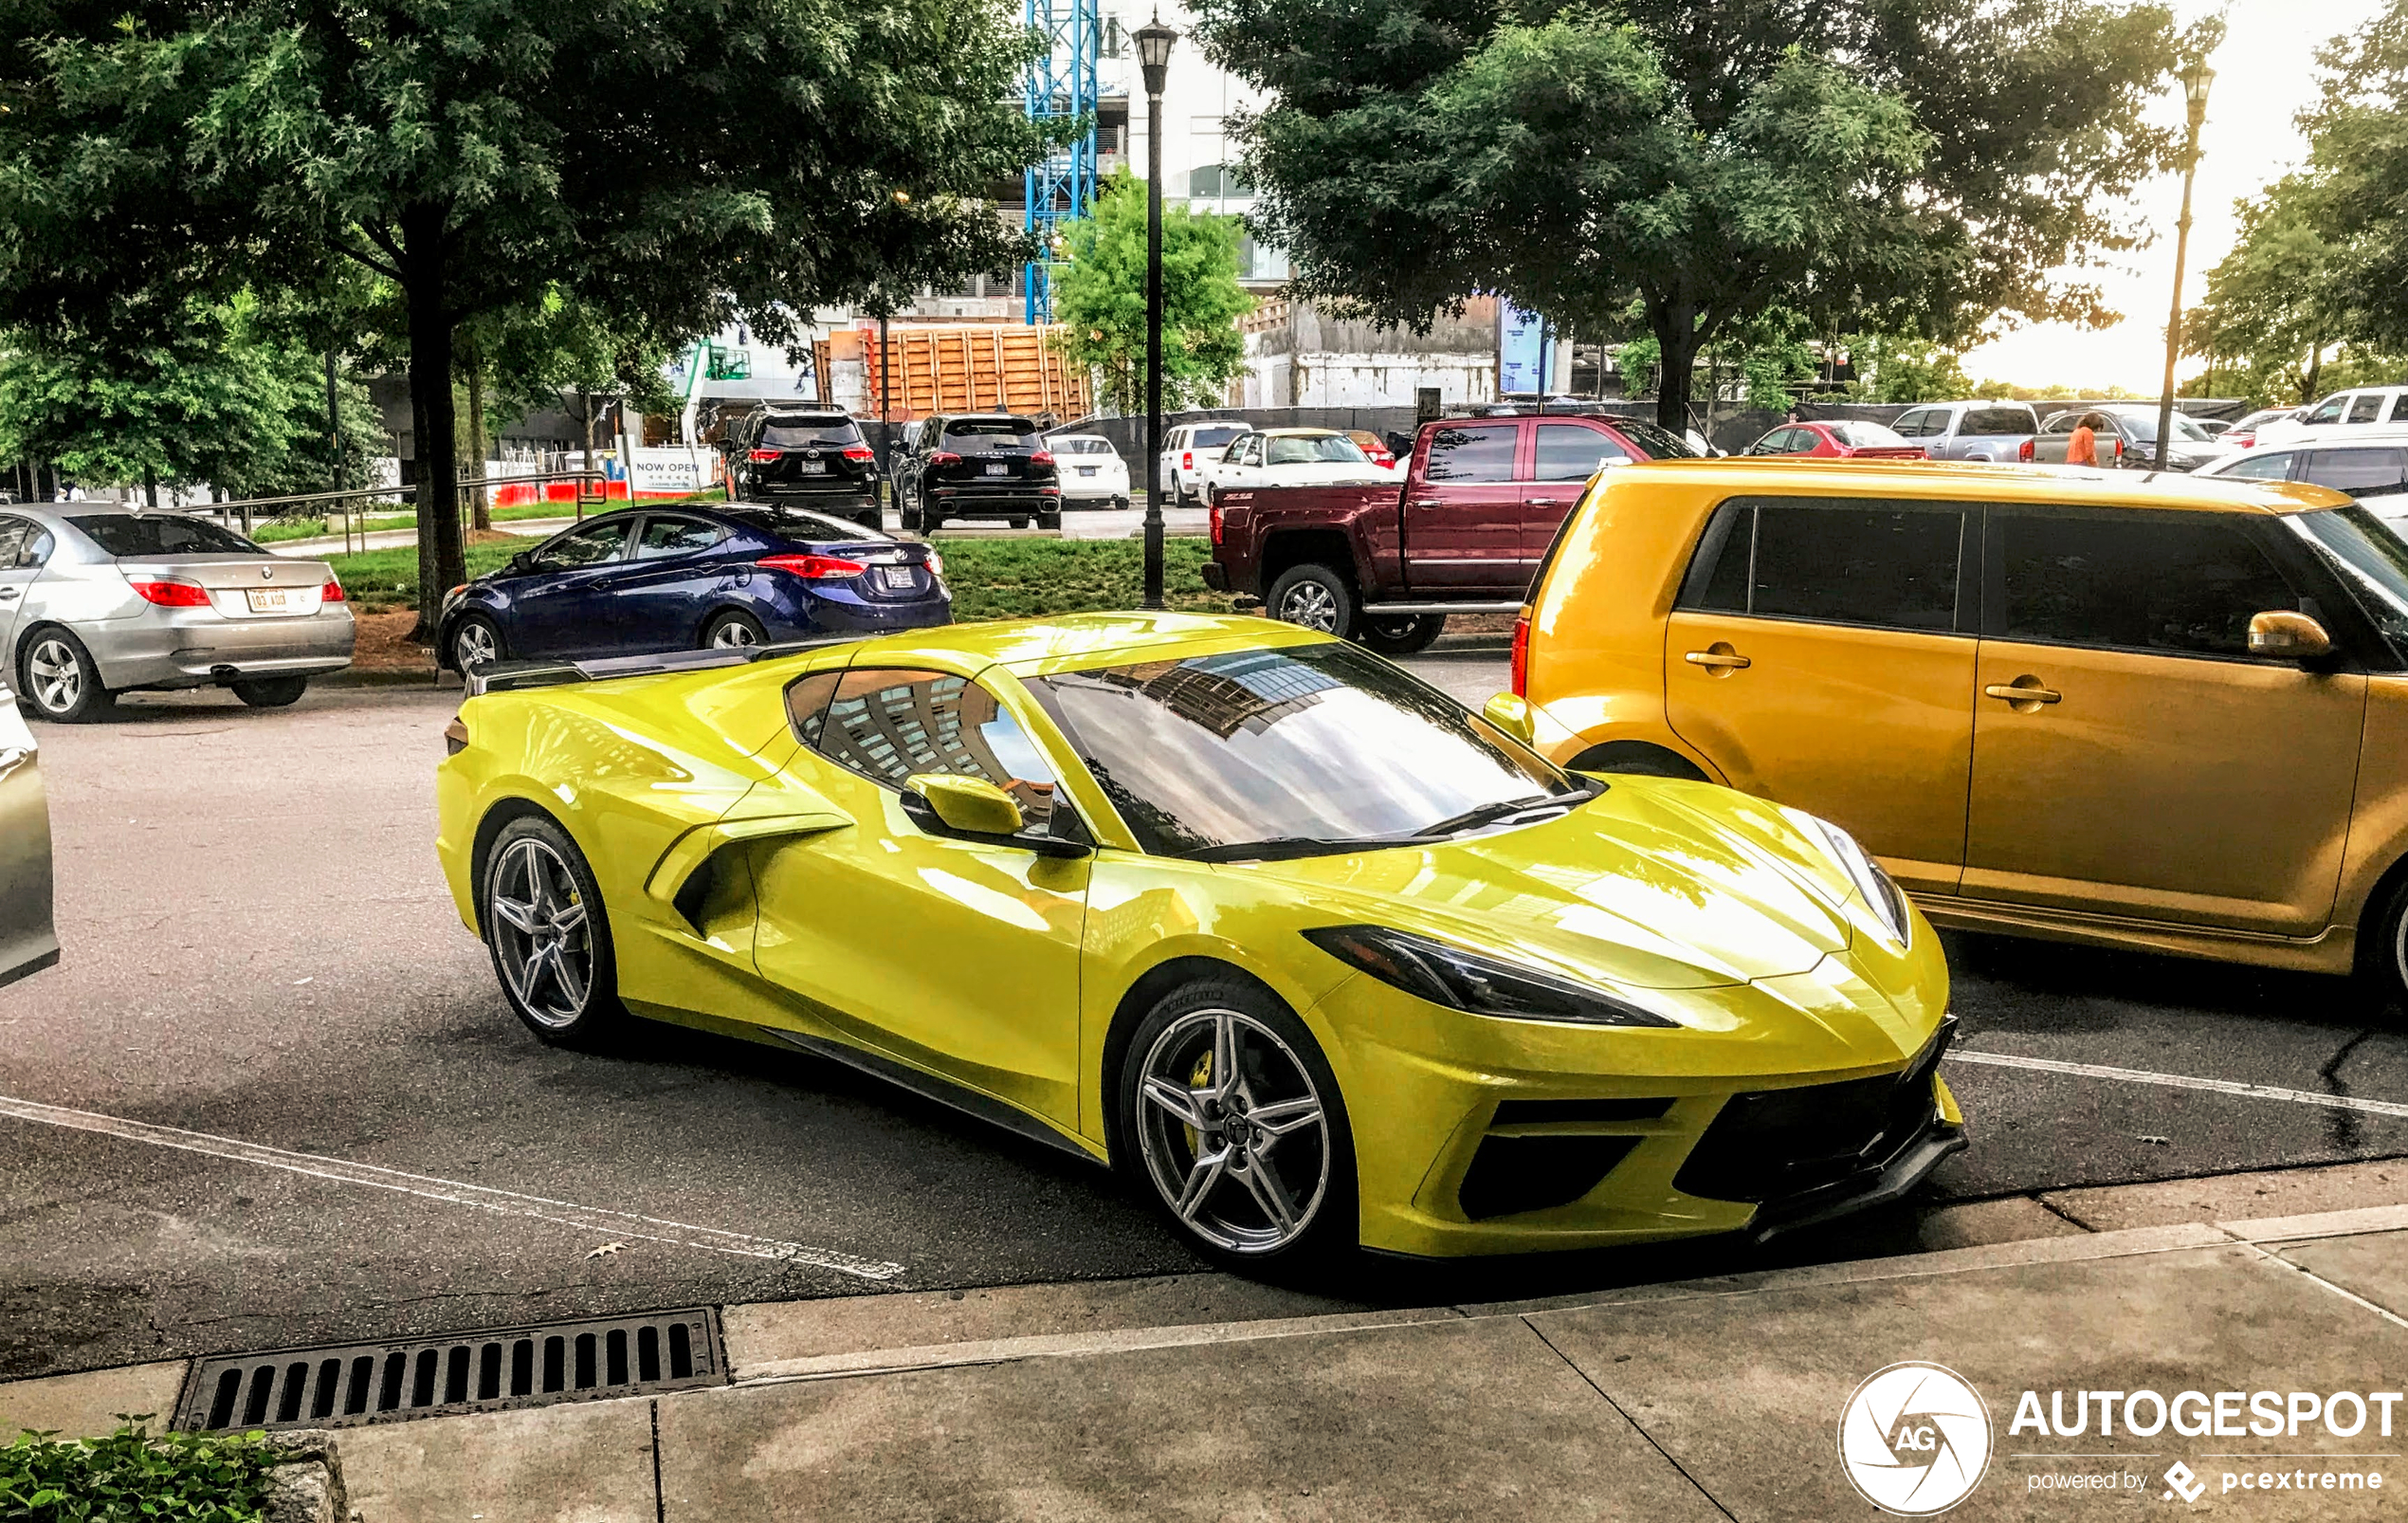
(2183, 1081)
(426, 1187)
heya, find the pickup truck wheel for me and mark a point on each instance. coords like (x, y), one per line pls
(1401, 635)
(1314, 596)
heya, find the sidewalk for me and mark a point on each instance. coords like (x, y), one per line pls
(1208, 1397)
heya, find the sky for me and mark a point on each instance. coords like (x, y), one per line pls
(2265, 72)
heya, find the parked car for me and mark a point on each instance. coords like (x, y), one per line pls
(812, 458)
(1289, 457)
(28, 939)
(1373, 445)
(1092, 473)
(658, 578)
(1969, 430)
(96, 600)
(2130, 442)
(1185, 448)
(2244, 434)
(2214, 427)
(2353, 409)
(2048, 707)
(1837, 439)
(977, 466)
(1385, 565)
(1315, 958)
(2369, 465)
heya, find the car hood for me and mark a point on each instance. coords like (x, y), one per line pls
(1655, 884)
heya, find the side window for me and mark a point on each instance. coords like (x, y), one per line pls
(1717, 583)
(588, 546)
(2273, 466)
(1248, 450)
(1481, 452)
(2399, 406)
(15, 534)
(2184, 585)
(2359, 473)
(890, 725)
(1573, 452)
(2366, 408)
(1885, 564)
(2328, 411)
(1918, 424)
(665, 537)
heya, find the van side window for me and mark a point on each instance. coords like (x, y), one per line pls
(2181, 585)
(2367, 408)
(1882, 564)
(2359, 473)
(2328, 411)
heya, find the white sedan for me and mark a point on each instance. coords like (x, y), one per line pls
(1092, 473)
(1292, 457)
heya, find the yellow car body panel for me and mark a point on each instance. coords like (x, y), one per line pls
(1006, 976)
(2249, 811)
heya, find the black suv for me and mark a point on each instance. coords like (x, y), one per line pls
(803, 457)
(980, 464)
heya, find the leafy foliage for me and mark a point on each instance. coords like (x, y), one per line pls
(1099, 299)
(1906, 369)
(2281, 299)
(131, 1476)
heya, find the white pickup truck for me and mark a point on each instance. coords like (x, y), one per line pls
(1969, 430)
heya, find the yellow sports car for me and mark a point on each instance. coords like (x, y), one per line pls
(1314, 955)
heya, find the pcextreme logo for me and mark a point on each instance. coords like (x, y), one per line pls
(1915, 1438)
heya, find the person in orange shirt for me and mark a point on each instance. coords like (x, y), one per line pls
(2083, 448)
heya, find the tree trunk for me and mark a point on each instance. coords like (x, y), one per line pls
(441, 561)
(479, 496)
(151, 485)
(1677, 334)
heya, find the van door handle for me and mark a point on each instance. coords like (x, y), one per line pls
(2023, 690)
(6, 593)
(1719, 658)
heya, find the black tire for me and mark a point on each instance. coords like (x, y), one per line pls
(1119, 504)
(1050, 521)
(1399, 634)
(564, 1009)
(271, 693)
(58, 679)
(911, 521)
(870, 519)
(1018, 521)
(1281, 1065)
(1314, 596)
(473, 632)
(734, 630)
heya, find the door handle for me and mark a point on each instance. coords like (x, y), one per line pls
(6, 593)
(1429, 502)
(1721, 658)
(2023, 690)
(1543, 502)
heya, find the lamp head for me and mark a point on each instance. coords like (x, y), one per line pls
(1153, 42)
(2195, 84)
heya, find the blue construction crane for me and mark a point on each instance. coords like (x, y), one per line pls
(1061, 83)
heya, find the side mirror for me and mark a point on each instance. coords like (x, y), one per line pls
(1510, 712)
(973, 809)
(2286, 634)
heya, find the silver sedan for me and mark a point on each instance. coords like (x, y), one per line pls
(96, 599)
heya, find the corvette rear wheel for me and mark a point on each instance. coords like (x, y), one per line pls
(549, 935)
(1231, 1119)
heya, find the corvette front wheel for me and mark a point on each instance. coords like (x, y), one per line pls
(549, 936)
(1232, 1121)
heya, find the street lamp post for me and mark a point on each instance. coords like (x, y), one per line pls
(1153, 42)
(2195, 84)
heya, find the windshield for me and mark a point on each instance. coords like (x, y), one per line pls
(1315, 450)
(1255, 753)
(800, 434)
(1082, 446)
(161, 534)
(1868, 436)
(1221, 434)
(797, 524)
(2369, 558)
(1659, 444)
(2143, 427)
(988, 428)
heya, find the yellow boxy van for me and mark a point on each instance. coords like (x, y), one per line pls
(2133, 710)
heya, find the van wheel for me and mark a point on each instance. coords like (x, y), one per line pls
(1402, 635)
(1315, 598)
(2382, 948)
(271, 693)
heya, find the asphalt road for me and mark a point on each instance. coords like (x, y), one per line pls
(272, 1096)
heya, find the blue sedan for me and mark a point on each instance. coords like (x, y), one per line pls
(647, 580)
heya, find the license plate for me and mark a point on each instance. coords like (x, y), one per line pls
(896, 577)
(274, 599)
(811, 468)
(998, 469)
(1086, 470)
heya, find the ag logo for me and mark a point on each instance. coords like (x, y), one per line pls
(1915, 1438)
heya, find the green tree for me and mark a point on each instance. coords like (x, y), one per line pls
(676, 164)
(2281, 300)
(1906, 369)
(1925, 163)
(1099, 299)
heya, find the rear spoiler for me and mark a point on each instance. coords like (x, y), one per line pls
(515, 676)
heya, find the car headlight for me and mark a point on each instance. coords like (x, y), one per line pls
(1480, 986)
(1888, 900)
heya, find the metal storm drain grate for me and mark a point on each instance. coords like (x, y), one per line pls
(346, 1385)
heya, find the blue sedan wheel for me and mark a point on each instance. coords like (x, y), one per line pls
(734, 632)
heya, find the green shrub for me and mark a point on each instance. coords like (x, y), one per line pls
(134, 1477)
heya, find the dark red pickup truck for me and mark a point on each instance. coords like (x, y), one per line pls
(1480, 503)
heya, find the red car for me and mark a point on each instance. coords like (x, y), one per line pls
(1839, 439)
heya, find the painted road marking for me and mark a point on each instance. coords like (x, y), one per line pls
(453, 1192)
(2183, 1081)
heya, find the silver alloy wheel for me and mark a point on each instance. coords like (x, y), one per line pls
(733, 634)
(1232, 1131)
(57, 677)
(1310, 604)
(540, 931)
(474, 645)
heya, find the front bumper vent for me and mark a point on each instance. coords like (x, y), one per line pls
(349, 1384)
(1773, 1145)
(1512, 1174)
